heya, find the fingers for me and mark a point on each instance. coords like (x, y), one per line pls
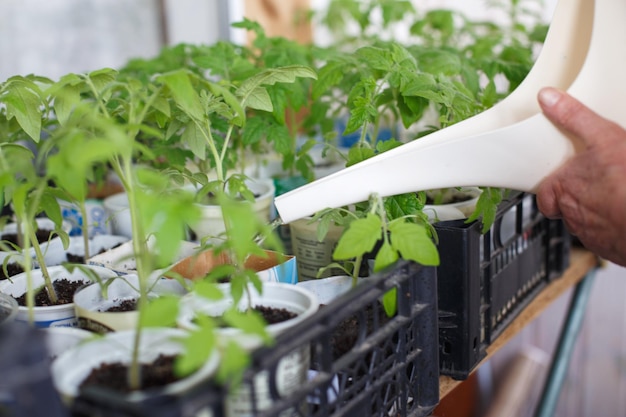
(547, 201)
(572, 116)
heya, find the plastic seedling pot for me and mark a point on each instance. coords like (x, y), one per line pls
(211, 224)
(311, 254)
(50, 316)
(329, 288)
(60, 339)
(53, 245)
(292, 369)
(73, 366)
(91, 304)
(96, 217)
(117, 214)
(121, 259)
(461, 205)
(75, 252)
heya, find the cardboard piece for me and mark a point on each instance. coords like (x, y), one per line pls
(269, 269)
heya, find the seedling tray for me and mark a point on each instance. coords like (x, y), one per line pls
(392, 367)
(484, 281)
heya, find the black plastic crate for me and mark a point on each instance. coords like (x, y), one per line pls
(484, 281)
(392, 368)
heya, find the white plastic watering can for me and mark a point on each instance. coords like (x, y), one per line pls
(511, 145)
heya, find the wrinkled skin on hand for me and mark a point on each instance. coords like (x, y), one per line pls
(589, 190)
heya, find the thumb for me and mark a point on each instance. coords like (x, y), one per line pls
(573, 117)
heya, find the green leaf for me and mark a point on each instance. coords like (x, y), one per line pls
(242, 227)
(161, 311)
(50, 206)
(240, 118)
(208, 290)
(195, 140)
(330, 75)
(272, 76)
(439, 61)
(280, 137)
(250, 322)
(166, 215)
(357, 154)
(101, 78)
(413, 242)
(401, 205)
(65, 100)
(376, 58)
(421, 85)
(359, 238)
(255, 131)
(487, 207)
(183, 92)
(162, 105)
(199, 345)
(385, 256)
(259, 99)
(233, 360)
(390, 302)
(25, 106)
(363, 111)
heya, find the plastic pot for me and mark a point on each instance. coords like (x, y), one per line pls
(73, 366)
(91, 304)
(51, 316)
(118, 214)
(211, 223)
(60, 339)
(310, 253)
(293, 368)
(456, 209)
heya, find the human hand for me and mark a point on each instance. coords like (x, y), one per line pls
(589, 190)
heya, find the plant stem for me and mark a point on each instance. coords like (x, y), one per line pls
(95, 93)
(142, 258)
(28, 266)
(32, 236)
(123, 167)
(216, 154)
(42, 265)
(357, 269)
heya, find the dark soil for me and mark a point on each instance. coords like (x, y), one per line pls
(64, 288)
(75, 259)
(271, 315)
(80, 259)
(156, 374)
(42, 236)
(12, 269)
(125, 305)
(346, 334)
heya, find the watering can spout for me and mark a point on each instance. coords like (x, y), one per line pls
(430, 163)
(511, 145)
